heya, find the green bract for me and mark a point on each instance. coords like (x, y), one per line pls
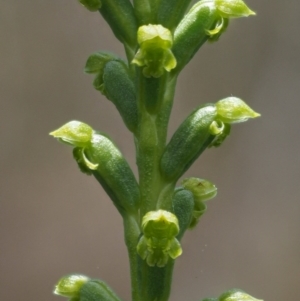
(234, 110)
(69, 286)
(91, 5)
(158, 242)
(155, 50)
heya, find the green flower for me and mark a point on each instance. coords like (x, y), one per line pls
(79, 135)
(202, 191)
(155, 50)
(228, 9)
(158, 242)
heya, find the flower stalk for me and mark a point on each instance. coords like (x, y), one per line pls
(160, 38)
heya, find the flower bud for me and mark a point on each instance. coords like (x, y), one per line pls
(154, 55)
(158, 242)
(237, 295)
(95, 65)
(69, 286)
(234, 110)
(202, 191)
(91, 5)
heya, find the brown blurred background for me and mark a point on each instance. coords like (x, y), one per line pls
(55, 220)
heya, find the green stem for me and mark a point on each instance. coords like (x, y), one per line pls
(151, 138)
(154, 282)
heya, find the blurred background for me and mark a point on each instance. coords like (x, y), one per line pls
(54, 220)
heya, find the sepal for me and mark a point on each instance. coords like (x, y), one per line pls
(75, 133)
(233, 8)
(159, 242)
(237, 295)
(91, 5)
(69, 286)
(234, 110)
(154, 54)
(96, 62)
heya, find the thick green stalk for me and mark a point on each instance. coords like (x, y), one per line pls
(154, 282)
(151, 138)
